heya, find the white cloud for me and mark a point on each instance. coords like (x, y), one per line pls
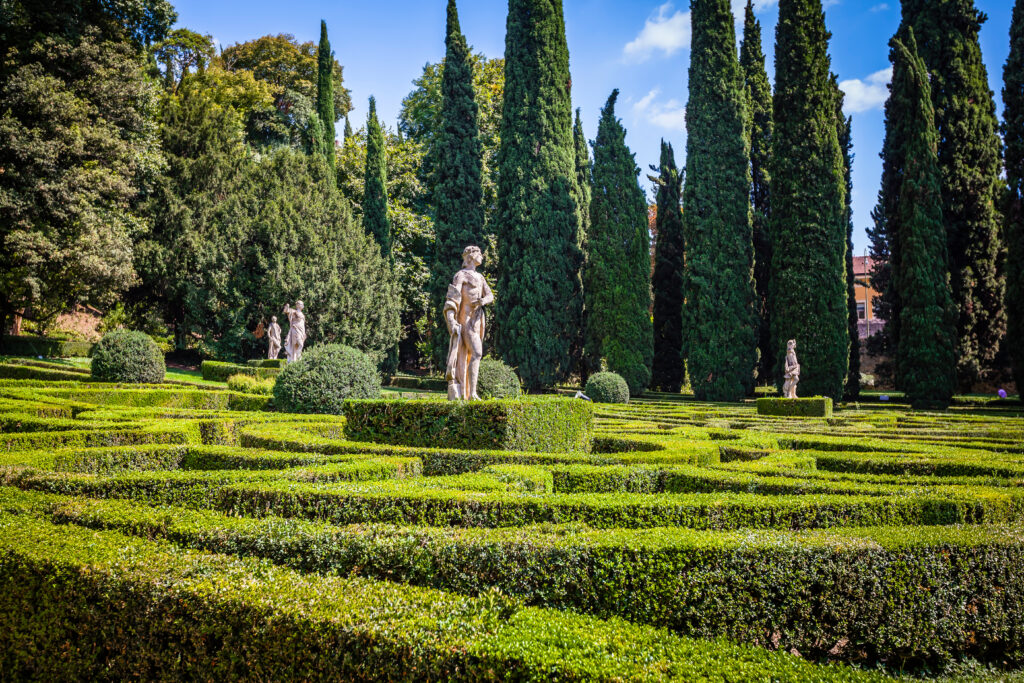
(662, 32)
(865, 95)
(670, 115)
(882, 7)
(739, 7)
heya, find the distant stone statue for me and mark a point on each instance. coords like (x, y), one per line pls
(792, 374)
(274, 337)
(296, 332)
(464, 314)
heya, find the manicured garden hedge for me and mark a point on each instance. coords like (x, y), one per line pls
(795, 407)
(26, 345)
(216, 371)
(552, 425)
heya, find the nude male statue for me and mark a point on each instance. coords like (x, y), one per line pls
(274, 337)
(792, 374)
(464, 314)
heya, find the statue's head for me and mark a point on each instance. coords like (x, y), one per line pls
(273, 318)
(299, 305)
(791, 345)
(472, 255)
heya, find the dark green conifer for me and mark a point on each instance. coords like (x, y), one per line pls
(669, 370)
(619, 258)
(540, 298)
(375, 192)
(926, 355)
(325, 95)
(1013, 138)
(585, 362)
(348, 128)
(845, 132)
(808, 289)
(965, 115)
(759, 128)
(458, 192)
(722, 340)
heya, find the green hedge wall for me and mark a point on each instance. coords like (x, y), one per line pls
(795, 407)
(216, 371)
(24, 345)
(552, 425)
(25, 371)
(77, 604)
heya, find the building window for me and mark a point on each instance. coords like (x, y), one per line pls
(861, 310)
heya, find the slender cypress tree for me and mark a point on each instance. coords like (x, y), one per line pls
(618, 269)
(458, 192)
(1013, 138)
(926, 356)
(584, 362)
(845, 133)
(348, 128)
(669, 370)
(722, 340)
(947, 35)
(375, 192)
(808, 290)
(325, 95)
(540, 293)
(759, 127)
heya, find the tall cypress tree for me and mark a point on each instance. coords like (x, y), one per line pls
(845, 132)
(669, 371)
(1013, 138)
(618, 267)
(540, 297)
(808, 290)
(375, 192)
(926, 356)
(348, 128)
(584, 362)
(325, 95)
(759, 126)
(458, 192)
(965, 115)
(722, 341)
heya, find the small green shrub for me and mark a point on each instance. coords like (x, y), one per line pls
(248, 384)
(128, 356)
(324, 379)
(607, 387)
(795, 407)
(497, 380)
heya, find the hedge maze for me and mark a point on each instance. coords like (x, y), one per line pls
(174, 532)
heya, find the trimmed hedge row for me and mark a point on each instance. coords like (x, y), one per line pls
(146, 397)
(159, 433)
(549, 425)
(795, 407)
(81, 604)
(851, 594)
(19, 371)
(216, 371)
(25, 345)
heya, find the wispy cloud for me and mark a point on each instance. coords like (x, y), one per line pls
(881, 7)
(867, 94)
(739, 7)
(665, 31)
(670, 114)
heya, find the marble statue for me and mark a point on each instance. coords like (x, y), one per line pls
(274, 337)
(296, 332)
(464, 314)
(792, 374)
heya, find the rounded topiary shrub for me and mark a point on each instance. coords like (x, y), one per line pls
(324, 378)
(607, 387)
(497, 380)
(128, 356)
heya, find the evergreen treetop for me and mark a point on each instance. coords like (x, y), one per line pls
(325, 95)
(669, 371)
(375, 190)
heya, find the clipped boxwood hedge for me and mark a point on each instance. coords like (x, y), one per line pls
(607, 387)
(552, 425)
(128, 356)
(324, 379)
(498, 380)
(795, 407)
(27, 345)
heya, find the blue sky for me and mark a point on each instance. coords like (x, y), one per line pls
(638, 46)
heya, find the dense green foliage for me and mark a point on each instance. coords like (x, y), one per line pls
(458, 189)
(926, 356)
(845, 133)
(1013, 139)
(375, 184)
(325, 96)
(540, 297)
(585, 350)
(965, 116)
(760, 125)
(798, 407)
(324, 379)
(721, 339)
(128, 356)
(545, 424)
(607, 387)
(247, 384)
(618, 296)
(497, 380)
(668, 371)
(808, 288)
